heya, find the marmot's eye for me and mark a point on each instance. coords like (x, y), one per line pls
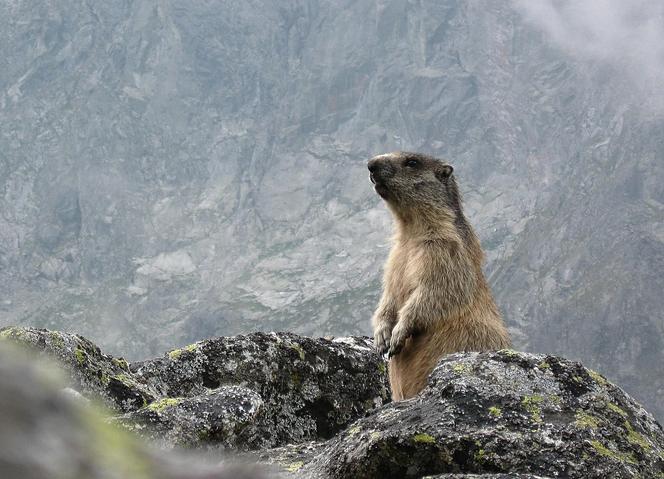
(412, 163)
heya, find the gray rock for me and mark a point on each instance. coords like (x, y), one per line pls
(502, 413)
(290, 401)
(308, 388)
(92, 372)
(485, 476)
(44, 434)
(245, 392)
(222, 417)
(290, 458)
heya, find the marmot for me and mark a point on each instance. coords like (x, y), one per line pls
(435, 299)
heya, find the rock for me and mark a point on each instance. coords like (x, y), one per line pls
(92, 372)
(242, 392)
(308, 388)
(485, 476)
(290, 458)
(319, 408)
(222, 417)
(44, 434)
(502, 413)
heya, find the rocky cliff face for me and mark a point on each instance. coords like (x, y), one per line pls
(319, 409)
(171, 172)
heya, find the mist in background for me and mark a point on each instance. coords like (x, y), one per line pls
(627, 36)
(171, 172)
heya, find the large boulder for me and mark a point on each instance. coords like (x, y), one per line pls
(242, 392)
(306, 388)
(484, 476)
(501, 412)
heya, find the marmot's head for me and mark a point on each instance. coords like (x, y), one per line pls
(411, 181)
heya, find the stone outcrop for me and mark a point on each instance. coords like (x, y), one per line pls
(293, 388)
(243, 392)
(319, 408)
(502, 412)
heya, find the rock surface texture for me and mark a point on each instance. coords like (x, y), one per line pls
(243, 392)
(293, 388)
(319, 408)
(502, 412)
(92, 372)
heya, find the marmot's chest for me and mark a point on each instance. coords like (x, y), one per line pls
(406, 274)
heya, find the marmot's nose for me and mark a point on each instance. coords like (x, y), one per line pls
(373, 165)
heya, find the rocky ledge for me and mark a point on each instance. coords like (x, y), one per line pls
(319, 408)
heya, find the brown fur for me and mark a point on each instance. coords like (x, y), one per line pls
(435, 299)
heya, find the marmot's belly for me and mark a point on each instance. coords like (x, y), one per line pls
(410, 369)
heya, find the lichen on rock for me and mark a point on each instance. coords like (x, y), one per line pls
(309, 388)
(320, 408)
(226, 417)
(501, 414)
(93, 373)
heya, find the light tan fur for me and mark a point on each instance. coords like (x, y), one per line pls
(435, 298)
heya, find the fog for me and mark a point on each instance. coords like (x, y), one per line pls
(626, 35)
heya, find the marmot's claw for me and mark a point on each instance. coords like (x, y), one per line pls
(398, 340)
(394, 350)
(382, 340)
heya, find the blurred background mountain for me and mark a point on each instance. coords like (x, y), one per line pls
(171, 171)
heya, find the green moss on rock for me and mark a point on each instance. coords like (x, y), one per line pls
(597, 377)
(121, 363)
(635, 438)
(294, 466)
(423, 437)
(532, 404)
(617, 409)
(56, 339)
(461, 368)
(176, 353)
(81, 356)
(161, 405)
(495, 411)
(586, 421)
(479, 455)
(615, 455)
(299, 350)
(13, 333)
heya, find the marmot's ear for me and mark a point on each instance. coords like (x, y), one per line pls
(444, 172)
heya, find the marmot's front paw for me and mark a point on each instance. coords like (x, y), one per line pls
(382, 338)
(399, 335)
